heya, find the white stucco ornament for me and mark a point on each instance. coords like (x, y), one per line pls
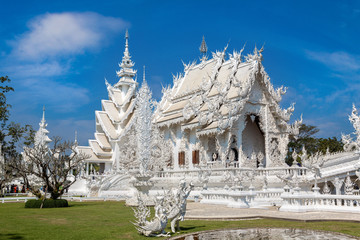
(349, 143)
(170, 207)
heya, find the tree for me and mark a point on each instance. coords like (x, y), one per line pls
(11, 135)
(49, 168)
(5, 174)
(312, 144)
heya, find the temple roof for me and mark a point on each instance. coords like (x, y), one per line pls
(116, 117)
(92, 157)
(216, 90)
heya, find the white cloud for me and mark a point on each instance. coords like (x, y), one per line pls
(41, 60)
(48, 69)
(61, 34)
(338, 61)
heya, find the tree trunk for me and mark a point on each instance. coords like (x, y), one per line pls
(55, 194)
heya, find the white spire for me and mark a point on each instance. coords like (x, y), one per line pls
(144, 111)
(43, 122)
(41, 136)
(75, 141)
(126, 73)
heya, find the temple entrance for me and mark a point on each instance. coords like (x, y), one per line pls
(213, 154)
(253, 140)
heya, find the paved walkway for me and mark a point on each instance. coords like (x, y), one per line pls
(207, 211)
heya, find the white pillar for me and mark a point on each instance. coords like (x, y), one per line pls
(87, 168)
(117, 157)
(267, 156)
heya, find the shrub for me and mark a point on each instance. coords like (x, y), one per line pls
(48, 203)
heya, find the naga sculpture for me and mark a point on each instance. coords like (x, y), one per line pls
(170, 207)
(155, 227)
(176, 204)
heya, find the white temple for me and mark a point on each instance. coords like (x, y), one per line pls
(219, 112)
(221, 127)
(225, 113)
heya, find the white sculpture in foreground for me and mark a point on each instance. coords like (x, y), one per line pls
(171, 206)
(176, 204)
(155, 227)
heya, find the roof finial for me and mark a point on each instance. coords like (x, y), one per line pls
(144, 74)
(43, 117)
(203, 49)
(126, 53)
(75, 141)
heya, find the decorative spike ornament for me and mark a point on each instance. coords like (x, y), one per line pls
(143, 113)
(203, 47)
(203, 50)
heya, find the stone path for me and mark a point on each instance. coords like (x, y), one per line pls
(197, 210)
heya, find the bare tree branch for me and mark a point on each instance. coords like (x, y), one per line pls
(51, 168)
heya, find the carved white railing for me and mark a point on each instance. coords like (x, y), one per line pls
(268, 197)
(300, 202)
(242, 199)
(215, 197)
(282, 171)
(230, 198)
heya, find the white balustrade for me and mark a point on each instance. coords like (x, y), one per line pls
(282, 171)
(300, 202)
(241, 199)
(15, 199)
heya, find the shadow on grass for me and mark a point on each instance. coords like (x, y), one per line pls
(81, 204)
(189, 228)
(11, 236)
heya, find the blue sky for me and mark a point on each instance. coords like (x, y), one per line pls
(58, 53)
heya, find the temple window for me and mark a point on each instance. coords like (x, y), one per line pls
(195, 157)
(181, 158)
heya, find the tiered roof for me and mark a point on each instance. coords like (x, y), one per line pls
(209, 96)
(116, 117)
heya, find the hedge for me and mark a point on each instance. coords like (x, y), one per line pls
(48, 203)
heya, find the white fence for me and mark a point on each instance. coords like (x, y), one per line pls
(15, 199)
(299, 202)
(243, 199)
(299, 171)
(69, 198)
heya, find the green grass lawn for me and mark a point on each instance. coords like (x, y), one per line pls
(111, 220)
